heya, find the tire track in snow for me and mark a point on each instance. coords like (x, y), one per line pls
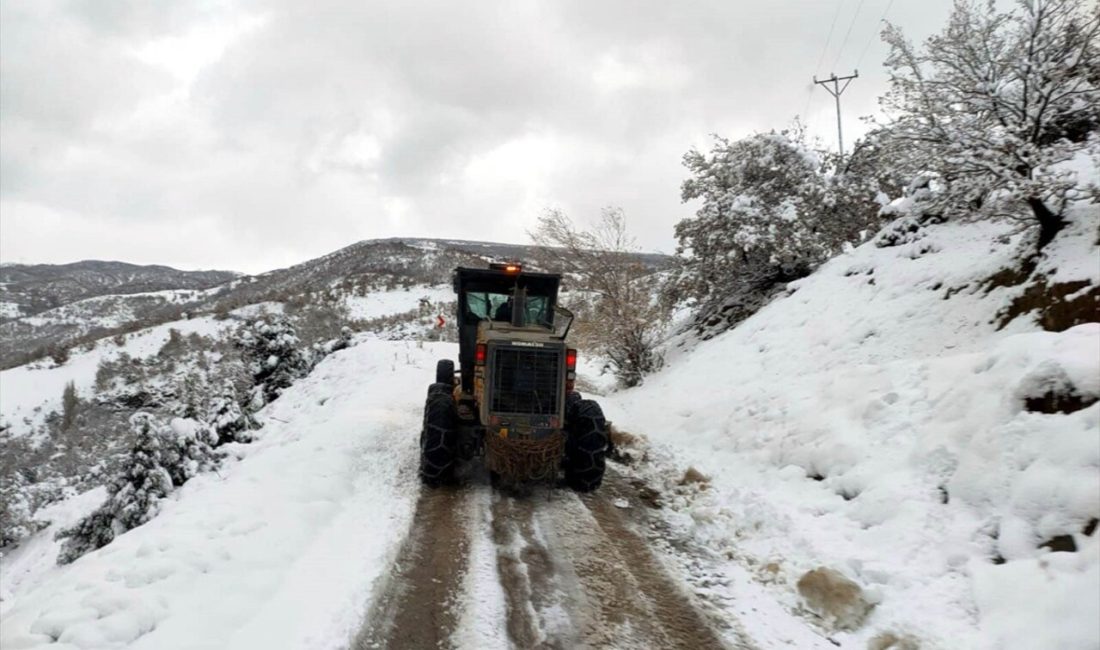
(576, 574)
(418, 607)
(483, 612)
(682, 623)
(628, 599)
(483, 568)
(538, 608)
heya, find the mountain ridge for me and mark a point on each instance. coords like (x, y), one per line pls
(52, 310)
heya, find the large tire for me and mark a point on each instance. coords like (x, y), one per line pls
(586, 445)
(445, 372)
(438, 437)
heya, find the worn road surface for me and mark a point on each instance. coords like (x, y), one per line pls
(571, 571)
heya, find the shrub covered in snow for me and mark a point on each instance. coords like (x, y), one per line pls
(232, 421)
(19, 500)
(275, 356)
(770, 214)
(163, 457)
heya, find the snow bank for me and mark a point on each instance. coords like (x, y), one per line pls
(875, 421)
(279, 549)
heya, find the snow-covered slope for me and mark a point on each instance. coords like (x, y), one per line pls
(29, 393)
(278, 549)
(874, 422)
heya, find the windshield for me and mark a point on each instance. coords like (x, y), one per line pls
(485, 305)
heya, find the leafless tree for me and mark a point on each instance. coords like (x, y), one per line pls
(626, 320)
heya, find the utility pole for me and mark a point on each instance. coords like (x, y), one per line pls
(836, 92)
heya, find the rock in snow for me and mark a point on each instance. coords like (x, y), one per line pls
(835, 598)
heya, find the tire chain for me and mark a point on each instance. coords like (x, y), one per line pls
(437, 437)
(586, 448)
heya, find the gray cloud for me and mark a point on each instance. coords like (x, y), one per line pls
(251, 135)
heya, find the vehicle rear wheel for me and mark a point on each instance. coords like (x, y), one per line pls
(585, 446)
(437, 438)
(445, 372)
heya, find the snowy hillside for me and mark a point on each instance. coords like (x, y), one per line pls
(278, 549)
(879, 422)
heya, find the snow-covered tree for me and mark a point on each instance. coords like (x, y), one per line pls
(188, 449)
(275, 355)
(232, 422)
(163, 457)
(993, 103)
(770, 214)
(133, 496)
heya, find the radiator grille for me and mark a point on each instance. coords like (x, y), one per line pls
(525, 381)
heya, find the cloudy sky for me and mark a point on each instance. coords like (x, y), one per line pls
(255, 134)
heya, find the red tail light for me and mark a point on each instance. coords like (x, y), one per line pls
(480, 353)
(571, 359)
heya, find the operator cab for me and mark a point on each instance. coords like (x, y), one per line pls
(503, 297)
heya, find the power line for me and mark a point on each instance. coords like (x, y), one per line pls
(821, 58)
(829, 38)
(849, 33)
(874, 33)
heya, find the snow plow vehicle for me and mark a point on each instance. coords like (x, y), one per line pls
(512, 401)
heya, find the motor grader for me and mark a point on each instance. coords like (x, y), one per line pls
(512, 402)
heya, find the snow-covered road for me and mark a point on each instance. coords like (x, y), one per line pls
(319, 535)
(549, 569)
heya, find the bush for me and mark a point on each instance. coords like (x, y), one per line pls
(274, 356)
(59, 354)
(19, 500)
(162, 458)
(770, 214)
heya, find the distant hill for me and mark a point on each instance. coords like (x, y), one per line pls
(28, 289)
(387, 262)
(56, 306)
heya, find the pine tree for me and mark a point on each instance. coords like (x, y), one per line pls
(275, 356)
(188, 449)
(133, 496)
(69, 403)
(231, 421)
